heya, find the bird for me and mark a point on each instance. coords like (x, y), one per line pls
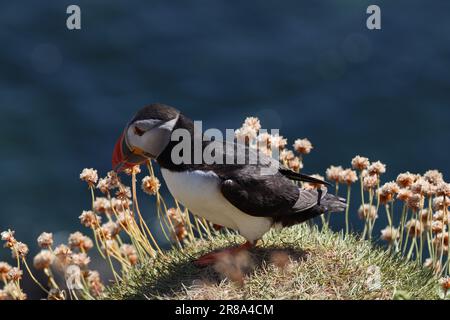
(239, 196)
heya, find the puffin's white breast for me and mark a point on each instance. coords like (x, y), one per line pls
(200, 192)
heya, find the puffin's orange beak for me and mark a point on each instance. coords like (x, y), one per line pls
(124, 158)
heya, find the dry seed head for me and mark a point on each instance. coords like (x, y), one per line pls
(109, 230)
(13, 292)
(443, 189)
(295, 164)
(45, 240)
(367, 212)
(286, 155)
(90, 176)
(102, 205)
(404, 194)
(129, 252)
(434, 177)
(440, 216)
(414, 227)
(252, 122)
(377, 168)
(278, 142)
(8, 236)
(123, 192)
(390, 234)
(245, 134)
(15, 274)
(150, 185)
(43, 260)
(360, 163)
(370, 182)
(90, 219)
(80, 259)
(62, 254)
(133, 170)
(437, 226)
(440, 242)
(415, 202)
(405, 180)
(333, 173)
(4, 269)
(95, 284)
(348, 176)
(20, 249)
(110, 182)
(303, 146)
(439, 203)
(387, 192)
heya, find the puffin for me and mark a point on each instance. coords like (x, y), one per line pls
(240, 195)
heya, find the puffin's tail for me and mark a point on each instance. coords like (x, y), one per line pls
(331, 203)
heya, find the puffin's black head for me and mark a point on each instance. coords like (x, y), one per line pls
(145, 136)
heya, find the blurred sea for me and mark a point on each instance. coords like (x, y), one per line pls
(310, 68)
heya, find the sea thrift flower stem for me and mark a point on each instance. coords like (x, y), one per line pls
(349, 191)
(141, 219)
(33, 277)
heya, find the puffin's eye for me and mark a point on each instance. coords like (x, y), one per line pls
(138, 131)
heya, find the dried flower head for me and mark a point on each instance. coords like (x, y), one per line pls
(133, 170)
(245, 134)
(264, 139)
(443, 189)
(90, 176)
(387, 192)
(110, 182)
(377, 168)
(441, 216)
(8, 236)
(95, 284)
(440, 242)
(80, 241)
(415, 202)
(43, 259)
(333, 173)
(13, 292)
(15, 274)
(252, 122)
(405, 180)
(4, 269)
(303, 146)
(437, 226)
(150, 185)
(360, 163)
(90, 219)
(63, 254)
(436, 266)
(278, 142)
(404, 194)
(123, 192)
(414, 227)
(129, 252)
(434, 177)
(45, 240)
(370, 182)
(390, 234)
(80, 259)
(286, 155)
(102, 205)
(20, 250)
(109, 230)
(295, 164)
(445, 284)
(441, 203)
(367, 212)
(348, 176)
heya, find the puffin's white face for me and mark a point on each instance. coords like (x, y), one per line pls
(149, 137)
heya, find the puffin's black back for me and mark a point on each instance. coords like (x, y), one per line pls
(156, 111)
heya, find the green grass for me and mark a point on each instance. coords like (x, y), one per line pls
(294, 263)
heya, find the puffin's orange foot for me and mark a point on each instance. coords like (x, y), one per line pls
(214, 257)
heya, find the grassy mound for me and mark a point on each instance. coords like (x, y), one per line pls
(294, 263)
